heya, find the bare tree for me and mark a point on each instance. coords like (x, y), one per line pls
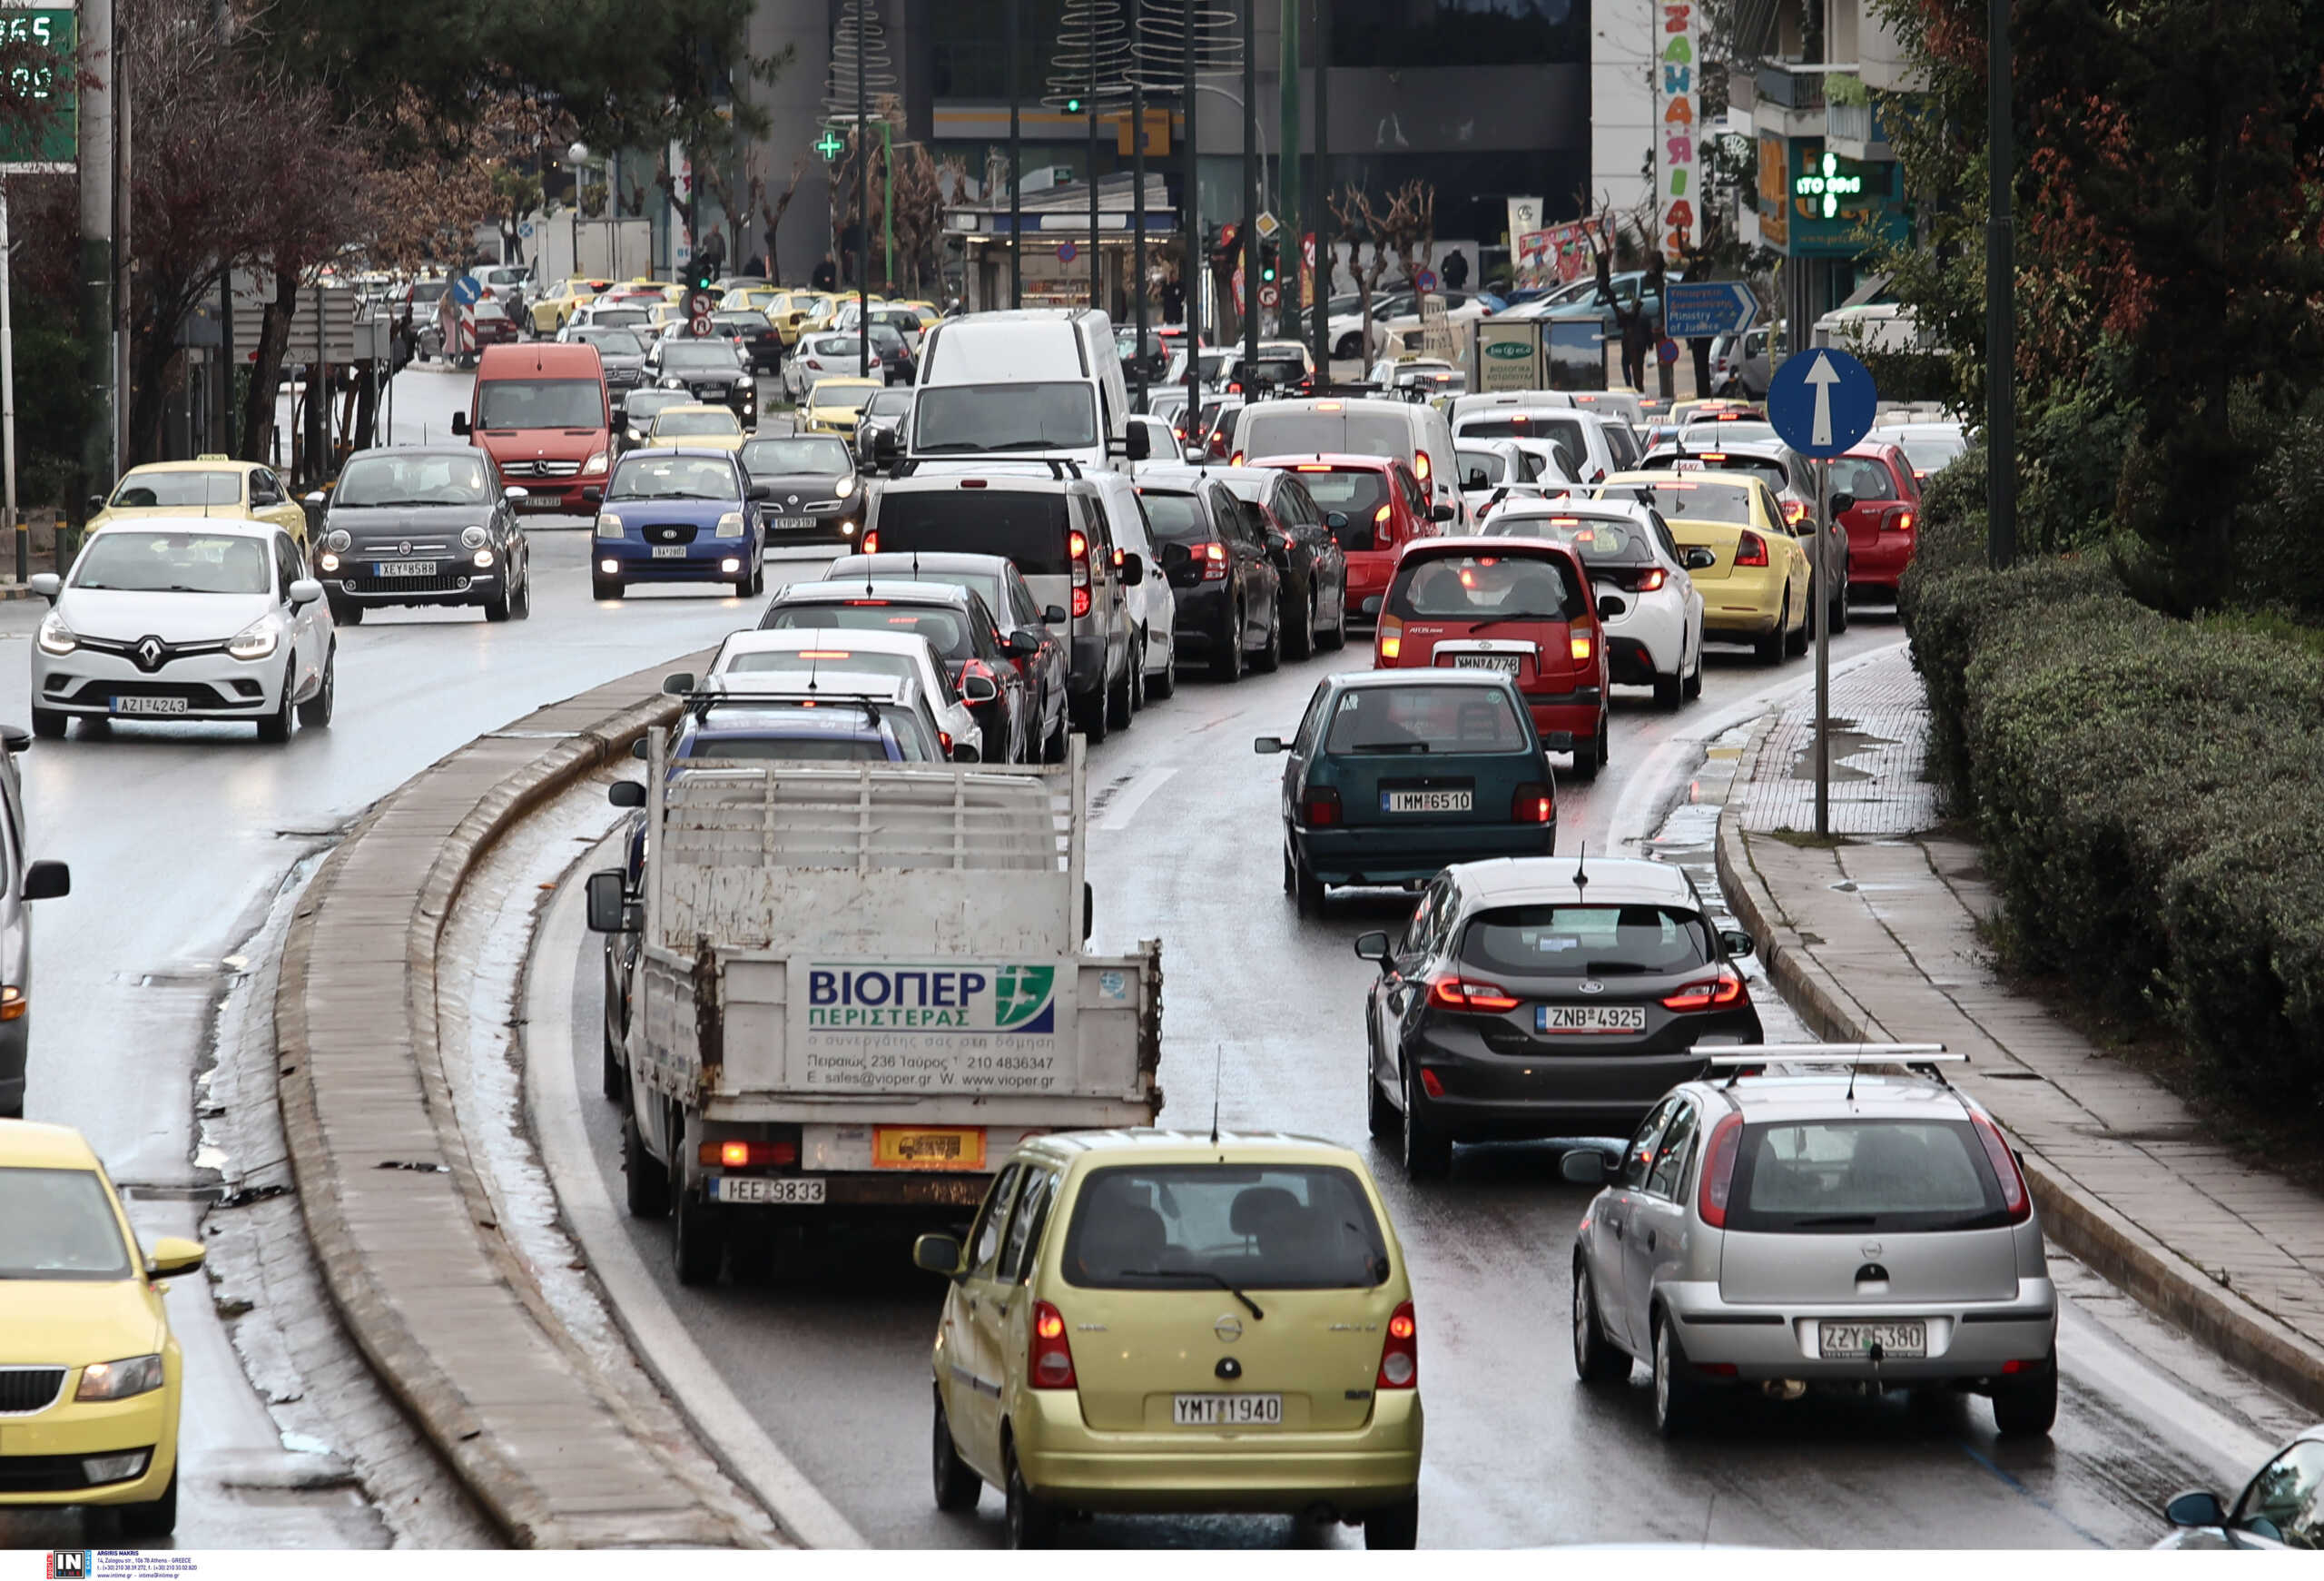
(1359, 224)
(770, 214)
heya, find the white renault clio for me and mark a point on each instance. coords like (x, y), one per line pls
(190, 619)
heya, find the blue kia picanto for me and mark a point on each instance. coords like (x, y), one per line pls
(678, 516)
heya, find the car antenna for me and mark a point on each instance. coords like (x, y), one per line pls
(1852, 1065)
(1218, 1074)
(1580, 871)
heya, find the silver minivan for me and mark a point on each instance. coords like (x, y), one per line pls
(22, 881)
(1781, 1227)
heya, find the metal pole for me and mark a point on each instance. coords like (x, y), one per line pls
(1195, 267)
(14, 524)
(1016, 173)
(888, 202)
(1320, 310)
(1250, 191)
(2000, 296)
(122, 191)
(1286, 160)
(862, 208)
(1096, 253)
(1137, 203)
(96, 169)
(1822, 613)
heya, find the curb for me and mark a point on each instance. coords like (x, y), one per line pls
(511, 1493)
(2150, 1272)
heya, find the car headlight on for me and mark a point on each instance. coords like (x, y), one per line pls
(609, 526)
(338, 539)
(674, 384)
(846, 487)
(482, 559)
(117, 1380)
(326, 562)
(729, 525)
(594, 465)
(55, 636)
(473, 537)
(257, 640)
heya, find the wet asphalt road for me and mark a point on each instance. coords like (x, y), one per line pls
(180, 837)
(832, 1359)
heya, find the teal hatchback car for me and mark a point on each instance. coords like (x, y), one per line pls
(1396, 774)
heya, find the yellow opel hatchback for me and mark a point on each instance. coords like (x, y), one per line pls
(1759, 584)
(1151, 1321)
(89, 1371)
(205, 486)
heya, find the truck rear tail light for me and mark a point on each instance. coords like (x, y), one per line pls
(1717, 993)
(1718, 1171)
(1320, 808)
(1400, 1352)
(747, 1155)
(1532, 804)
(1751, 549)
(2013, 1194)
(1466, 994)
(1052, 1353)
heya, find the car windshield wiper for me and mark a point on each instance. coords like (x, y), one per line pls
(1221, 1280)
(1390, 746)
(1517, 614)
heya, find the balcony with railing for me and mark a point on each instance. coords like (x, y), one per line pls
(1789, 97)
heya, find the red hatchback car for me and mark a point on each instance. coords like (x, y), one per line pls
(1373, 505)
(1519, 606)
(1883, 518)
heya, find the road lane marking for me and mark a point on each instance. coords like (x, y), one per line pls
(1125, 807)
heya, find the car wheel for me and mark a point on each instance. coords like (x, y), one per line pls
(1588, 757)
(958, 1487)
(1693, 687)
(1595, 1357)
(1428, 1152)
(1137, 679)
(1347, 347)
(1394, 1525)
(499, 606)
(1118, 701)
(315, 712)
(605, 588)
(48, 724)
(1669, 690)
(1678, 1396)
(277, 728)
(1032, 1524)
(1771, 647)
(2027, 1409)
(1307, 890)
(1227, 666)
(346, 613)
(1840, 611)
(1301, 644)
(648, 1180)
(155, 1518)
(523, 602)
(1269, 658)
(1165, 681)
(1335, 636)
(1380, 1116)
(1053, 750)
(1796, 643)
(1095, 722)
(697, 1239)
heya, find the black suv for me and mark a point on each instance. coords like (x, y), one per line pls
(1305, 552)
(1224, 582)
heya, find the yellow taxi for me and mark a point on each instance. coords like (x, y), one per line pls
(90, 1374)
(1758, 586)
(211, 485)
(1178, 1323)
(706, 427)
(929, 313)
(549, 313)
(752, 298)
(833, 405)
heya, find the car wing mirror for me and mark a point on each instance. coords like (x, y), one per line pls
(938, 1254)
(305, 592)
(594, 496)
(315, 497)
(978, 689)
(1336, 519)
(966, 751)
(1054, 615)
(611, 911)
(1133, 570)
(761, 491)
(1021, 644)
(1700, 559)
(1737, 941)
(1267, 745)
(513, 493)
(1842, 503)
(1373, 947)
(173, 1255)
(97, 502)
(1584, 1167)
(626, 792)
(2195, 1507)
(640, 749)
(1610, 607)
(47, 583)
(1443, 513)
(678, 683)
(47, 880)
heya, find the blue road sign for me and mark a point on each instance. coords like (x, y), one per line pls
(1696, 310)
(465, 290)
(1821, 402)
(1425, 281)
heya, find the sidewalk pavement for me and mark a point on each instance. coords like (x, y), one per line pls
(1875, 940)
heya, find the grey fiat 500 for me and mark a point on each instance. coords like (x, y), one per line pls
(1782, 1227)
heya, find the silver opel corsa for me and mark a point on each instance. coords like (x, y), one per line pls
(1785, 1227)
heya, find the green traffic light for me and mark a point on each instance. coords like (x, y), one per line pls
(1073, 106)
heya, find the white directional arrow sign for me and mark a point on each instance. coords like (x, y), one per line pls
(1821, 377)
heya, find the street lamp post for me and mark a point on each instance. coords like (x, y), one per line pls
(1250, 189)
(1196, 265)
(2000, 296)
(863, 213)
(1320, 310)
(1137, 207)
(1016, 173)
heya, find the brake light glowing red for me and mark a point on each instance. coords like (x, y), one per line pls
(1718, 1171)
(1532, 804)
(1651, 580)
(1080, 602)
(1795, 511)
(2013, 1194)
(1213, 557)
(1463, 994)
(743, 1155)
(1320, 807)
(1077, 546)
(1717, 993)
(872, 542)
(1579, 647)
(1420, 465)
(1052, 1353)
(972, 483)
(1750, 549)
(1901, 522)
(1399, 1353)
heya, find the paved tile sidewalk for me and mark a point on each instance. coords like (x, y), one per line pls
(1876, 939)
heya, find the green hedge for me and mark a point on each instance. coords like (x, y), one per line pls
(2141, 785)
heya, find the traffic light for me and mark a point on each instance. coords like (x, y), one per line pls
(1073, 105)
(1268, 256)
(699, 274)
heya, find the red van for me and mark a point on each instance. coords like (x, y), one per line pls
(541, 411)
(1373, 505)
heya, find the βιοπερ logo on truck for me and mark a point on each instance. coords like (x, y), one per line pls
(1013, 998)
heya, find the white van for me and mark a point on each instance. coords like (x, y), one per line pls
(1413, 432)
(1035, 384)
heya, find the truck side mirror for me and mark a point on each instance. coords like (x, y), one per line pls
(610, 907)
(626, 792)
(460, 422)
(1136, 443)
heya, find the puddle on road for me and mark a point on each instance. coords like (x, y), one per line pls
(1847, 741)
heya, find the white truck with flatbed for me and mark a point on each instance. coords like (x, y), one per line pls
(855, 987)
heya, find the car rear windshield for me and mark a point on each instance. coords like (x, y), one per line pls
(1176, 518)
(147, 489)
(1277, 370)
(803, 721)
(836, 657)
(1586, 941)
(1932, 452)
(1599, 543)
(1357, 493)
(1313, 432)
(1712, 432)
(947, 633)
(958, 419)
(1697, 499)
(1268, 1227)
(696, 422)
(541, 403)
(1766, 468)
(1845, 1175)
(1026, 526)
(58, 1224)
(1426, 718)
(795, 749)
(1477, 588)
(1482, 466)
(173, 562)
(1565, 433)
(785, 456)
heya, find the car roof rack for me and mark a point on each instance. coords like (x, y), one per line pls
(1062, 469)
(1739, 1060)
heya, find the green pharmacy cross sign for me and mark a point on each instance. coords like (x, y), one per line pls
(49, 140)
(1829, 182)
(829, 146)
